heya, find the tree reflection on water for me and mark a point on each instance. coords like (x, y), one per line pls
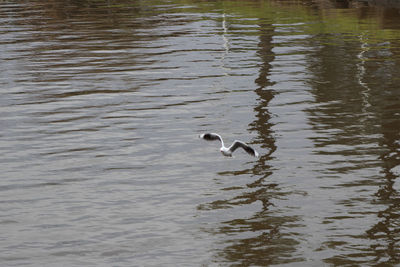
(259, 239)
(373, 99)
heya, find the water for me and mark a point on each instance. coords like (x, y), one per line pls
(102, 102)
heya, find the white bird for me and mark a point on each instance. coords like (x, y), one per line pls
(227, 151)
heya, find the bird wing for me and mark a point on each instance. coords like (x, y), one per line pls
(247, 148)
(211, 137)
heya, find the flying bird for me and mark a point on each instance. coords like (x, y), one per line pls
(227, 151)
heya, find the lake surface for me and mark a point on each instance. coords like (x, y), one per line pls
(102, 102)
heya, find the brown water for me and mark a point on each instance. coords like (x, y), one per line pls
(101, 103)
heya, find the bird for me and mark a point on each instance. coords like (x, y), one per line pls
(227, 151)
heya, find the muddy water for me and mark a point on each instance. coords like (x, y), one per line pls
(101, 103)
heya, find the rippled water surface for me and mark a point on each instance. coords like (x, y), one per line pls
(102, 102)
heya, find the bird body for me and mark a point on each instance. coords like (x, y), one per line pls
(227, 151)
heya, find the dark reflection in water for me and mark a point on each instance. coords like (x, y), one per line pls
(386, 232)
(264, 242)
(360, 115)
